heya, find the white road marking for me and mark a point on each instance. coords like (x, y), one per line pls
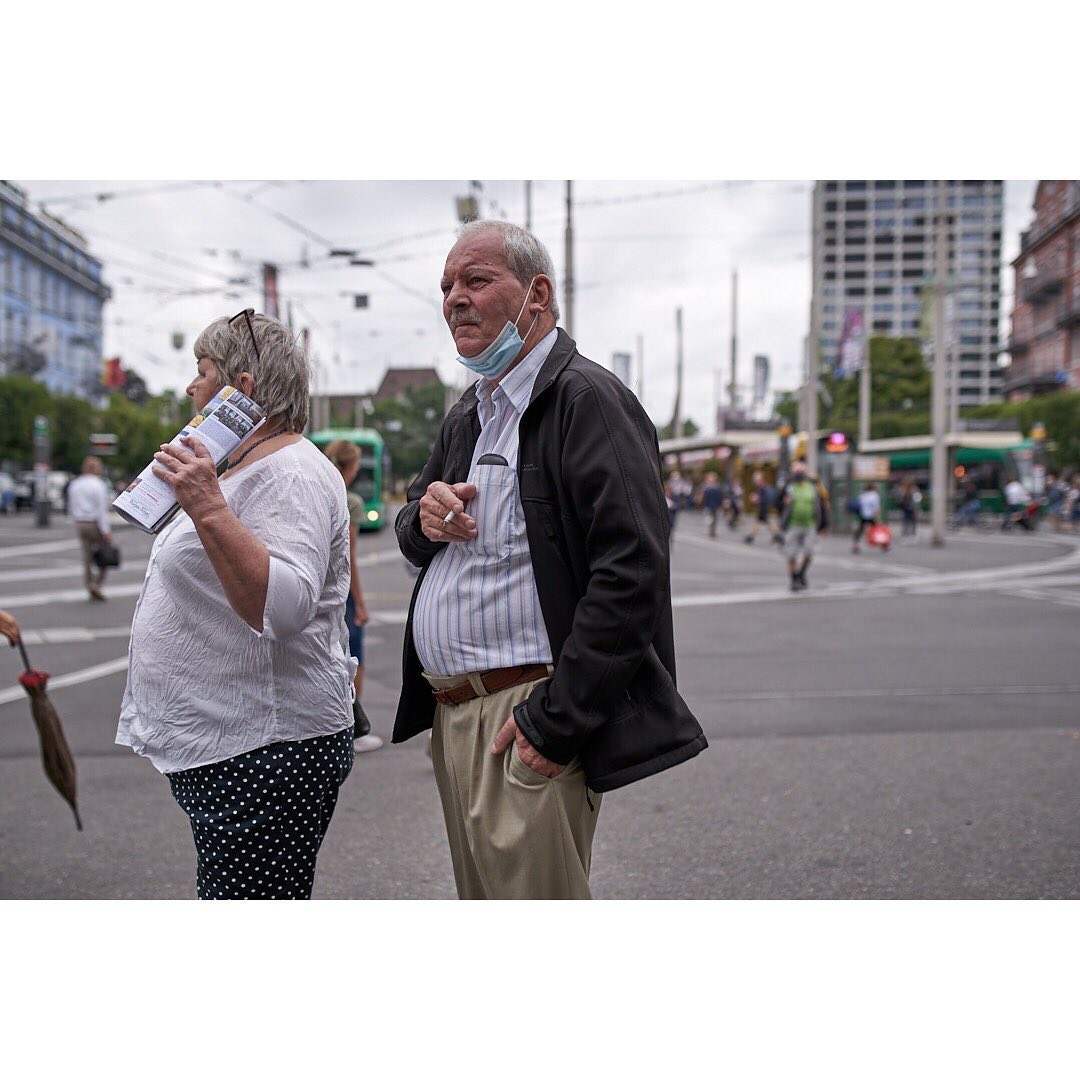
(66, 596)
(899, 692)
(68, 635)
(73, 678)
(37, 549)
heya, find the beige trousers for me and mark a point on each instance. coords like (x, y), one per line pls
(514, 834)
(90, 536)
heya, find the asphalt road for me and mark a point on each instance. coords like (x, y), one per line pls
(907, 728)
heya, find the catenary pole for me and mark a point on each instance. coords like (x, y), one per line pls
(939, 385)
(568, 285)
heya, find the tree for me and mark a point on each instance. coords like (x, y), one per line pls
(409, 426)
(689, 429)
(75, 418)
(139, 433)
(1060, 414)
(21, 399)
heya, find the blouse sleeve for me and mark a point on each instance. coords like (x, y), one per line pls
(290, 514)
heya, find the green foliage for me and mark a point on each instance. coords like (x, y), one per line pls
(409, 426)
(21, 399)
(140, 428)
(139, 432)
(74, 424)
(689, 429)
(1060, 414)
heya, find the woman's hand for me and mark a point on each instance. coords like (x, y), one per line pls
(10, 628)
(360, 618)
(190, 471)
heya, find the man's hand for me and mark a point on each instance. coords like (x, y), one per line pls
(532, 757)
(9, 627)
(440, 500)
(189, 470)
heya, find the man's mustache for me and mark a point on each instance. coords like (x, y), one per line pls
(463, 320)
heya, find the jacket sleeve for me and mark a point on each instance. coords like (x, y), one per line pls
(415, 546)
(611, 483)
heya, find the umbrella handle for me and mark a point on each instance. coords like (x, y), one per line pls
(25, 658)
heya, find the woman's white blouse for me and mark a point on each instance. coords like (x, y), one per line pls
(204, 686)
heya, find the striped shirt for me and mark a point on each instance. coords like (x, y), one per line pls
(478, 608)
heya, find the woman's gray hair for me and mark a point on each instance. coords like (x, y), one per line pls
(280, 372)
(525, 255)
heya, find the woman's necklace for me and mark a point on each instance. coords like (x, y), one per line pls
(230, 465)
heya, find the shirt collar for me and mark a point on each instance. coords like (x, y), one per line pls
(517, 384)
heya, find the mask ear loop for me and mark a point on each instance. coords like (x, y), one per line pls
(528, 293)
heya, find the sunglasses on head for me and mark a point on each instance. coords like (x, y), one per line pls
(246, 316)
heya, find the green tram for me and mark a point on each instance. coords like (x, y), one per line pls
(374, 467)
(989, 469)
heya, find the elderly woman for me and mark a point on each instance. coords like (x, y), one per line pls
(239, 683)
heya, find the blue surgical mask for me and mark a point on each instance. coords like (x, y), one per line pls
(493, 361)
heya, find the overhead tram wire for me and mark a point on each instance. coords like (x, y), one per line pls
(109, 196)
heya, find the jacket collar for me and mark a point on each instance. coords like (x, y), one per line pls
(560, 355)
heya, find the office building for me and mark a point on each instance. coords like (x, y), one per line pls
(51, 298)
(874, 252)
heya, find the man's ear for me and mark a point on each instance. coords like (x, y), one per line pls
(542, 295)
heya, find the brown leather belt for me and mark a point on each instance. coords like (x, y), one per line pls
(493, 682)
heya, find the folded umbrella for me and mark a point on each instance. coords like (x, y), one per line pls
(56, 755)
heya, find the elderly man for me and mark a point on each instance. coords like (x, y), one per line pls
(88, 507)
(539, 642)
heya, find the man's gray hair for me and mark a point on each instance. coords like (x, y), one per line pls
(525, 255)
(281, 372)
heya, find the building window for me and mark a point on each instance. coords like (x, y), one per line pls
(884, 185)
(882, 290)
(855, 257)
(856, 205)
(884, 204)
(856, 185)
(831, 185)
(883, 309)
(854, 291)
(884, 275)
(883, 326)
(830, 206)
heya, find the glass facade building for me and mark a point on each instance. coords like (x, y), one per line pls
(873, 250)
(51, 298)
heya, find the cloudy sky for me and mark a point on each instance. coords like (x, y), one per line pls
(642, 249)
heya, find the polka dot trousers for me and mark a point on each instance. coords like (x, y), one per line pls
(259, 818)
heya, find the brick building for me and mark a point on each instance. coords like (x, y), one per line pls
(1045, 340)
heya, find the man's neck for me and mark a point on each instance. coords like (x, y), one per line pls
(531, 341)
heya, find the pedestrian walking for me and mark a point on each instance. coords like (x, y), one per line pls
(869, 512)
(88, 498)
(539, 642)
(1056, 494)
(239, 683)
(970, 505)
(910, 498)
(1017, 500)
(733, 498)
(345, 456)
(1074, 504)
(804, 514)
(762, 497)
(712, 498)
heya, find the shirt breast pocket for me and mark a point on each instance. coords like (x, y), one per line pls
(494, 508)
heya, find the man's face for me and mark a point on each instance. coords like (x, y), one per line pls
(798, 474)
(480, 292)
